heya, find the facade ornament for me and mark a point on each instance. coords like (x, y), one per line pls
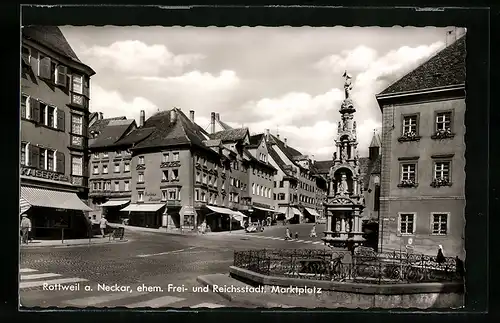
(345, 125)
(344, 153)
(354, 126)
(334, 155)
(340, 127)
(344, 188)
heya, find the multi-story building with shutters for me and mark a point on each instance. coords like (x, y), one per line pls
(423, 156)
(54, 113)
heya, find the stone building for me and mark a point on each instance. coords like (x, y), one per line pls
(54, 112)
(423, 177)
(109, 169)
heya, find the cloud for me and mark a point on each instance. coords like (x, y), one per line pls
(137, 58)
(196, 80)
(112, 104)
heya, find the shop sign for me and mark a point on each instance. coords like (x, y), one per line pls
(152, 196)
(43, 174)
(265, 206)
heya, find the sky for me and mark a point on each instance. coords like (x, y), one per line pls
(286, 79)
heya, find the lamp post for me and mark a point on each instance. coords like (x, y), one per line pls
(250, 210)
(376, 181)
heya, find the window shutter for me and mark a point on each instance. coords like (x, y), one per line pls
(34, 156)
(45, 68)
(86, 87)
(61, 120)
(60, 162)
(61, 72)
(35, 110)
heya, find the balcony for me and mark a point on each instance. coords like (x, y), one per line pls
(170, 164)
(79, 181)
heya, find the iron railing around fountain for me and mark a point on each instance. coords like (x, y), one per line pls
(386, 268)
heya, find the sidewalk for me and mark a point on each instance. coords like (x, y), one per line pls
(176, 232)
(72, 242)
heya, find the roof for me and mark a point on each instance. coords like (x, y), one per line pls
(168, 133)
(135, 136)
(375, 141)
(224, 125)
(51, 37)
(256, 139)
(230, 134)
(323, 166)
(99, 125)
(113, 132)
(446, 68)
(257, 161)
(212, 143)
(369, 167)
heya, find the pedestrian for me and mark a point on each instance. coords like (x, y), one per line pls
(25, 228)
(296, 235)
(440, 255)
(103, 223)
(313, 232)
(288, 235)
(203, 226)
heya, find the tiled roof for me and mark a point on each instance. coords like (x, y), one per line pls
(230, 135)
(99, 125)
(113, 132)
(224, 125)
(212, 143)
(445, 68)
(323, 166)
(166, 133)
(51, 37)
(256, 139)
(135, 136)
(277, 159)
(375, 141)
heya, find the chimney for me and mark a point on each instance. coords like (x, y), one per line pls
(191, 115)
(212, 122)
(286, 145)
(173, 116)
(217, 117)
(312, 159)
(267, 135)
(142, 118)
(278, 135)
(101, 116)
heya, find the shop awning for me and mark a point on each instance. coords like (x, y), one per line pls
(222, 210)
(53, 199)
(263, 209)
(146, 207)
(282, 210)
(289, 212)
(23, 205)
(115, 203)
(312, 211)
(238, 213)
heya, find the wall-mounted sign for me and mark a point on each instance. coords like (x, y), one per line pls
(266, 206)
(150, 194)
(43, 174)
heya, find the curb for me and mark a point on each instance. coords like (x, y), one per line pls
(75, 244)
(238, 299)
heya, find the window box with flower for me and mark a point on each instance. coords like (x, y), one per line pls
(409, 136)
(443, 134)
(442, 181)
(407, 183)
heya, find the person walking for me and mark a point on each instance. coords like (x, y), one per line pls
(203, 227)
(288, 235)
(103, 223)
(313, 232)
(440, 255)
(25, 228)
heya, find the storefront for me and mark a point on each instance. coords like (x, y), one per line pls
(312, 215)
(112, 210)
(289, 214)
(223, 219)
(54, 214)
(147, 215)
(262, 214)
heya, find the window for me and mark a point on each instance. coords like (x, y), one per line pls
(25, 109)
(204, 178)
(104, 169)
(274, 196)
(105, 155)
(175, 174)
(77, 84)
(196, 195)
(43, 113)
(164, 175)
(164, 195)
(172, 195)
(127, 187)
(442, 170)
(140, 178)
(258, 190)
(60, 73)
(51, 117)
(281, 184)
(96, 169)
(439, 223)
(77, 126)
(141, 160)
(408, 172)
(77, 166)
(203, 196)
(96, 155)
(210, 180)
(175, 156)
(117, 167)
(127, 167)
(410, 124)
(165, 157)
(140, 196)
(24, 149)
(443, 121)
(41, 162)
(117, 186)
(281, 196)
(406, 223)
(198, 177)
(253, 188)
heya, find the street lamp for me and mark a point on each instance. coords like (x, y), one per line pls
(376, 181)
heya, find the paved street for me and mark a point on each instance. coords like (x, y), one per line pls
(150, 259)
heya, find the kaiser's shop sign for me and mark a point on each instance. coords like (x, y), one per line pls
(43, 174)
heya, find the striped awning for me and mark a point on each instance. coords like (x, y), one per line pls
(52, 199)
(146, 207)
(23, 205)
(115, 203)
(221, 210)
(312, 211)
